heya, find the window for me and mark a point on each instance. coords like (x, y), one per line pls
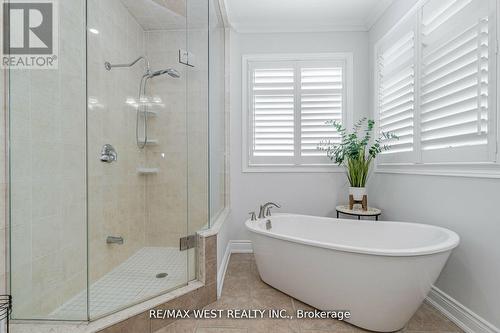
(436, 84)
(287, 104)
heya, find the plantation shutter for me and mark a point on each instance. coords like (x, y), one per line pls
(321, 100)
(455, 81)
(272, 101)
(396, 93)
(289, 103)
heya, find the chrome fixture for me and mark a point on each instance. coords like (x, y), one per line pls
(253, 217)
(170, 71)
(142, 108)
(265, 210)
(143, 103)
(188, 242)
(268, 225)
(114, 240)
(268, 211)
(108, 154)
(109, 66)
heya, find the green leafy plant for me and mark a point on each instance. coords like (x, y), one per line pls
(354, 152)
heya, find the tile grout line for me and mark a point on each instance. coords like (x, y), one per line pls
(141, 268)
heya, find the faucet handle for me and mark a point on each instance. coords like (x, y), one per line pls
(265, 210)
(268, 211)
(253, 217)
(262, 212)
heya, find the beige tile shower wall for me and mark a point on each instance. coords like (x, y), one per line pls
(117, 193)
(167, 191)
(177, 197)
(47, 151)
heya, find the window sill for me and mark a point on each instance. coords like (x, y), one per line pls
(293, 169)
(472, 170)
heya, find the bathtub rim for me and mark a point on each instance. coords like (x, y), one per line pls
(449, 244)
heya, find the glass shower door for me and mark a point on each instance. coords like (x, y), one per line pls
(47, 179)
(137, 151)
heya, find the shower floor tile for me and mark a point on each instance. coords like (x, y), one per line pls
(130, 282)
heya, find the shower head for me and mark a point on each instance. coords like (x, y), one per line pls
(172, 72)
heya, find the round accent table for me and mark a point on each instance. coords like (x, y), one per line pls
(370, 212)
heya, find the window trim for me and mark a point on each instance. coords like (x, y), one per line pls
(247, 167)
(458, 169)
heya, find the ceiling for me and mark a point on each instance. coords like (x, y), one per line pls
(304, 15)
(157, 14)
(169, 14)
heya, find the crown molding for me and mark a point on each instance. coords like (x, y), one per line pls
(352, 25)
(377, 12)
(286, 28)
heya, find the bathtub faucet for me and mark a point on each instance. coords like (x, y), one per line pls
(265, 210)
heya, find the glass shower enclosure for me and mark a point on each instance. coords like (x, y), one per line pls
(110, 156)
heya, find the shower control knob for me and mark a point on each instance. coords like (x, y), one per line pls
(108, 154)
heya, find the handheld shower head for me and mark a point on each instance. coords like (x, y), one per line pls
(171, 72)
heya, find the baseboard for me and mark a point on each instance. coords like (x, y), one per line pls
(221, 273)
(233, 246)
(459, 314)
(241, 246)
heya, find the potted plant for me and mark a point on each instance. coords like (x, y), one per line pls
(356, 153)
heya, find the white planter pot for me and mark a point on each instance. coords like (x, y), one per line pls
(357, 192)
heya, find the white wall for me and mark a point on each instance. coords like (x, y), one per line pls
(305, 193)
(466, 205)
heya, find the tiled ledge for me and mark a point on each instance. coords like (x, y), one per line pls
(135, 319)
(217, 223)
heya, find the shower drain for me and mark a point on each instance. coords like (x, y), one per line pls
(161, 275)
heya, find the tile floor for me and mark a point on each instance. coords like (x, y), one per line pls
(130, 282)
(243, 289)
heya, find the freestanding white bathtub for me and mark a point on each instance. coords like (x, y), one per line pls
(379, 271)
